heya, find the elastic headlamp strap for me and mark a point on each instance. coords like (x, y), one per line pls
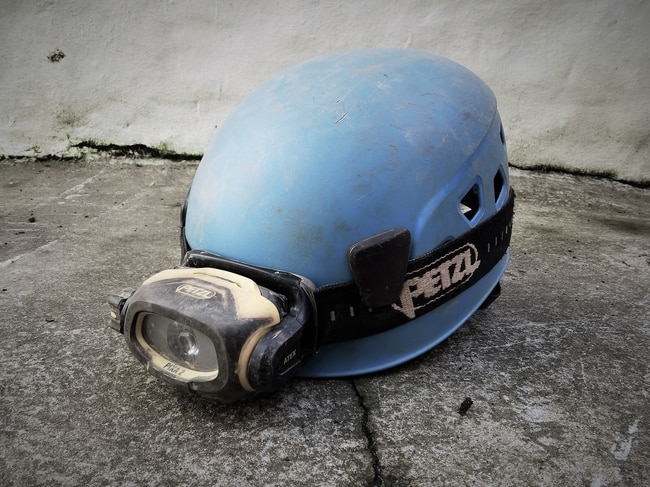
(431, 280)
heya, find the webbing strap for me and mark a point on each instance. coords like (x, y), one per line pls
(431, 280)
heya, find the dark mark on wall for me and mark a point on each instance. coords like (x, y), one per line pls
(56, 56)
(136, 150)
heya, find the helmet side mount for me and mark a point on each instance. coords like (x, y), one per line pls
(379, 264)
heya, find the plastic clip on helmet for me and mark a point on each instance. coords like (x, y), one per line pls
(351, 214)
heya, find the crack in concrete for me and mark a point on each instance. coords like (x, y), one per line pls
(378, 479)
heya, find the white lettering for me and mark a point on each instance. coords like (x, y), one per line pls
(195, 291)
(174, 369)
(289, 356)
(431, 285)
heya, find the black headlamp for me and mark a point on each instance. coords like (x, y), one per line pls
(226, 330)
(215, 327)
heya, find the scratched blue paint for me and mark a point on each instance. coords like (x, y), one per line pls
(340, 148)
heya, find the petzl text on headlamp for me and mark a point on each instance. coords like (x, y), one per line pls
(351, 214)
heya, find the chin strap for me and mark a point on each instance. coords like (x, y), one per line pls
(431, 280)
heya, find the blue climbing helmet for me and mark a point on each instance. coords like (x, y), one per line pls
(340, 149)
(349, 215)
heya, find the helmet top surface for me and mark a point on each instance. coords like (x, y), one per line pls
(342, 147)
(335, 150)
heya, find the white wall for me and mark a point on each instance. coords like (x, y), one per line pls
(571, 77)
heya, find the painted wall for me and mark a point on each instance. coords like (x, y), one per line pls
(572, 77)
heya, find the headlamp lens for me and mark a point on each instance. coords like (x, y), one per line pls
(176, 349)
(183, 344)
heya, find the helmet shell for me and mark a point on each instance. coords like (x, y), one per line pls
(340, 148)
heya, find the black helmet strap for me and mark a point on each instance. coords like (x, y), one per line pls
(342, 310)
(431, 280)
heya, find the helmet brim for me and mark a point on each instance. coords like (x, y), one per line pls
(394, 347)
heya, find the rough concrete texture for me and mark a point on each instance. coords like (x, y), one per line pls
(571, 77)
(557, 368)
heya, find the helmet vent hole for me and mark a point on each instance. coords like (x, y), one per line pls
(471, 203)
(502, 134)
(498, 185)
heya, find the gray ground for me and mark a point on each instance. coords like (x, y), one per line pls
(557, 367)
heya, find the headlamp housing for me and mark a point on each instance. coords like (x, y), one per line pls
(214, 332)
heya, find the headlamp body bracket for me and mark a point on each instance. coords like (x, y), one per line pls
(278, 353)
(260, 337)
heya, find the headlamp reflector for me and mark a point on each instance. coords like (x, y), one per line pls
(175, 349)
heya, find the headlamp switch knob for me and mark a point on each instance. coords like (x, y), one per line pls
(276, 356)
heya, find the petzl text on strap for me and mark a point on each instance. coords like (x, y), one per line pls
(431, 280)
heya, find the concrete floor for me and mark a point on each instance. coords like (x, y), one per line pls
(557, 367)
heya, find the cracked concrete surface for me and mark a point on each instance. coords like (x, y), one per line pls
(557, 368)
